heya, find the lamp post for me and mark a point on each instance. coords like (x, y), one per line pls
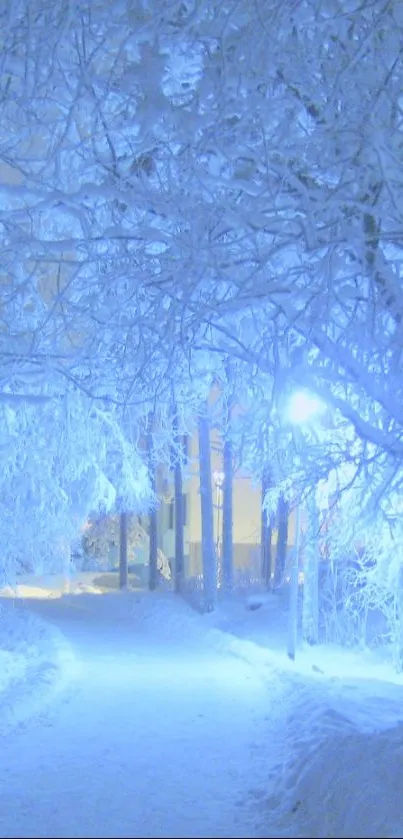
(302, 408)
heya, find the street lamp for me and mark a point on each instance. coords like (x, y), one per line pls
(301, 409)
(218, 481)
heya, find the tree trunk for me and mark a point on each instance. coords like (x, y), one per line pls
(153, 518)
(153, 549)
(123, 559)
(282, 540)
(266, 533)
(310, 605)
(294, 591)
(207, 523)
(179, 562)
(227, 521)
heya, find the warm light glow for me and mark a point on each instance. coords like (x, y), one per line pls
(303, 406)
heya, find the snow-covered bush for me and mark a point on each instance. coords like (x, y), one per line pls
(361, 581)
(61, 460)
(341, 620)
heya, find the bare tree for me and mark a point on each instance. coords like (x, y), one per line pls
(227, 490)
(310, 603)
(282, 539)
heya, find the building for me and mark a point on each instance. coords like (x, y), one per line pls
(246, 514)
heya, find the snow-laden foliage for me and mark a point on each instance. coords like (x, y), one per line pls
(194, 165)
(362, 583)
(61, 461)
(102, 535)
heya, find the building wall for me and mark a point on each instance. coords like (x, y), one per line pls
(246, 514)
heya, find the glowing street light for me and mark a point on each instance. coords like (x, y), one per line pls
(303, 407)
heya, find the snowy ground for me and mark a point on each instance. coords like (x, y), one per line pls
(178, 724)
(37, 665)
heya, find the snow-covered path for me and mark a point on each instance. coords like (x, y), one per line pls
(162, 736)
